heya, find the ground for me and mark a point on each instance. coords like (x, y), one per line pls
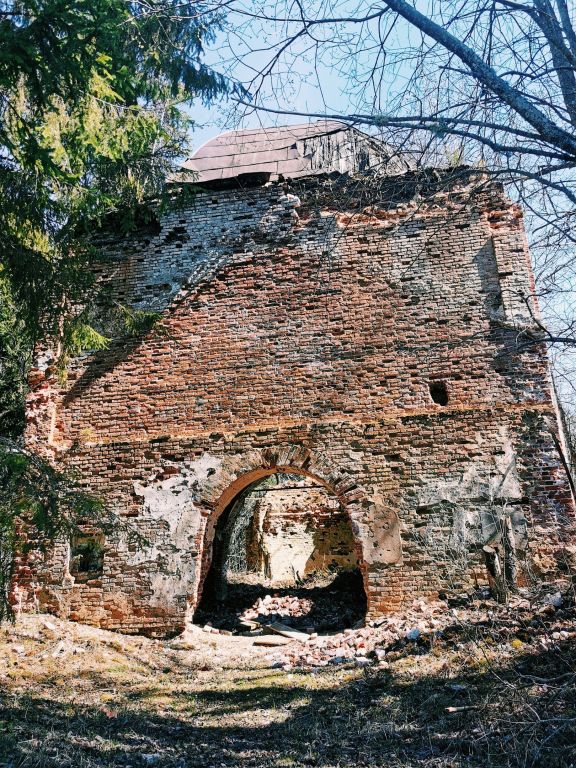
(491, 686)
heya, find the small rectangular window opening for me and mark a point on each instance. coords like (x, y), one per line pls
(86, 557)
(439, 392)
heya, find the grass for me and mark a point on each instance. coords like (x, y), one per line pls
(472, 700)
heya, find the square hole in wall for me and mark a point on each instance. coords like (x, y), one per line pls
(439, 392)
(86, 557)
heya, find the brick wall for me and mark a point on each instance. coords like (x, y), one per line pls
(301, 332)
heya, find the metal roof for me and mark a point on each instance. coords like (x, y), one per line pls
(290, 151)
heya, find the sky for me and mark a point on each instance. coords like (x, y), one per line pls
(224, 116)
(303, 82)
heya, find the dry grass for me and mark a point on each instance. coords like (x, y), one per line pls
(480, 696)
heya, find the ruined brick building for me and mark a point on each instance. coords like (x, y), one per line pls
(342, 355)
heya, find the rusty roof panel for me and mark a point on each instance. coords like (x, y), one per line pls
(279, 132)
(293, 150)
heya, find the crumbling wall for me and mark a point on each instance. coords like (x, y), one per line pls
(308, 332)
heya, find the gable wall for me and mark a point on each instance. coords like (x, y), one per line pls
(321, 330)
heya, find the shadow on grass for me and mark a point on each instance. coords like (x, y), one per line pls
(521, 715)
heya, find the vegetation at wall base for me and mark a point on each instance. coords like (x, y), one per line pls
(38, 505)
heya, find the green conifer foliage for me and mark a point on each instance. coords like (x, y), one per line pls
(94, 98)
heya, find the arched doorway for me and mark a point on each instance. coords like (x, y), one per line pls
(283, 549)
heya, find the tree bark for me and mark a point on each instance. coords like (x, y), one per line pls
(484, 74)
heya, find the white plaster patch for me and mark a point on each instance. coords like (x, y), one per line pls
(472, 521)
(479, 481)
(288, 552)
(379, 531)
(173, 501)
(509, 485)
(44, 359)
(465, 522)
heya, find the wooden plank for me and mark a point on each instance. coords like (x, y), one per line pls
(284, 631)
(302, 130)
(329, 146)
(272, 640)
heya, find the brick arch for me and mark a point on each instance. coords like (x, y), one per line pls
(373, 527)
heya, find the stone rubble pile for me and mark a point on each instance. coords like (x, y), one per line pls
(321, 603)
(418, 628)
(275, 607)
(369, 644)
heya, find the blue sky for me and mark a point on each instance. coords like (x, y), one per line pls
(210, 121)
(302, 83)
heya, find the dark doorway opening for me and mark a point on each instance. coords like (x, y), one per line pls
(284, 552)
